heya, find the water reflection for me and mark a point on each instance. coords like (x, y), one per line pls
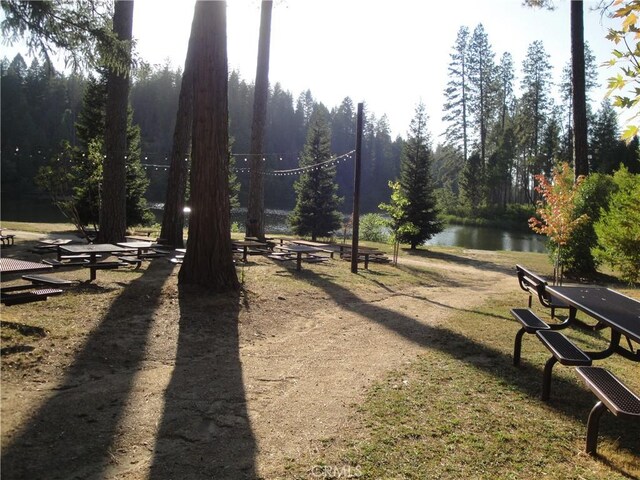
(484, 238)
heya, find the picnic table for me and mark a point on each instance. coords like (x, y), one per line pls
(612, 309)
(141, 246)
(298, 250)
(250, 246)
(23, 293)
(621, 315)
(93, 250)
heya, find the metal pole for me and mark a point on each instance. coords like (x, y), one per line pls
(356, 193)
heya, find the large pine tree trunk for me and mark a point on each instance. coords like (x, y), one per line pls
(581, 162)
(255, 210)
(113, 206)
(173, 217)
(208, 261)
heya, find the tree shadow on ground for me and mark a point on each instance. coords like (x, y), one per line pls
(526, 378)
(72, 433)
(460, 259)
(205, 430)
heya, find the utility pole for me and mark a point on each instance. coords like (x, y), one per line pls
(356, 193)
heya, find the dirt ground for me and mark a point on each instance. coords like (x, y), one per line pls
(155, 382)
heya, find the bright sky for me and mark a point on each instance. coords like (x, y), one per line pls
(390, 55)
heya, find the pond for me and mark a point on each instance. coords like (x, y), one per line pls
(485, 238)
(480, 238)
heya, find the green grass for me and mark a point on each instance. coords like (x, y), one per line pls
(462, 410)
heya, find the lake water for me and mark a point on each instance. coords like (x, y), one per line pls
(485, 238)
(480, 238)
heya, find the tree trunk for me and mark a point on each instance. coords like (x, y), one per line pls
(209, 261)
(255, 210)
(173, 217)
(580, 159)
(113, 205)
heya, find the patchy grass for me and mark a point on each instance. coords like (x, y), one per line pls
(463, 410)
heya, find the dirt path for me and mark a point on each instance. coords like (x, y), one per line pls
(237, 398)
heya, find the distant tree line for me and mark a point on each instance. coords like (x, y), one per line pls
(495, 143)
(41, 108)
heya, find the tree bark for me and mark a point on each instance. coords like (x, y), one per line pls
(255, 210)
(113, 205)
(174, 216)
(208, 261)
(580, 159)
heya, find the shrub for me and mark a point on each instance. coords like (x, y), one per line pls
(373, 228)
(618, 229)
(592, 198)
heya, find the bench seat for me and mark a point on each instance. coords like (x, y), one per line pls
(30, 296)
(563, 351)
(57, 263)
(131, 260)
(105, 265)
(613, 395)
(47, 280)
(281, 257)
(531, 323)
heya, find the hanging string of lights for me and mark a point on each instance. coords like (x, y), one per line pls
(147, 161)
(296, 171)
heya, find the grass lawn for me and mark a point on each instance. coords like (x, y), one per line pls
(460, 409)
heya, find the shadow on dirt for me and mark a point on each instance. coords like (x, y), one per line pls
(205, 430)
(71, 435)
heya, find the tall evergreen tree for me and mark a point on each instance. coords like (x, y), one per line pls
(113, 207)
(316, 211)
(456, 107)
(605, 140)
(416, 185)
(535, 102)
(472, 183)
(208, 262)
(255, 208)
(482, 79)
(505, 97)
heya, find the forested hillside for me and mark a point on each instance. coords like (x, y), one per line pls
(505, 124)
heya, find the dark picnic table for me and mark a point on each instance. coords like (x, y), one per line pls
(247, 245)
(93, 250)
(619, 312)
(24, 293)
(299, 250)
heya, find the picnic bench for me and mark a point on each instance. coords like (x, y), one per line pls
(7, 239)
(28, 296)
(535, 285)
(613, 395)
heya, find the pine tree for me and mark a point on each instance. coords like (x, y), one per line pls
(535, 102)
(416, 184)
(315, 213)
(505, 97)
(605, 140)
(456, 107)
(482, 79)
(472, 183)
